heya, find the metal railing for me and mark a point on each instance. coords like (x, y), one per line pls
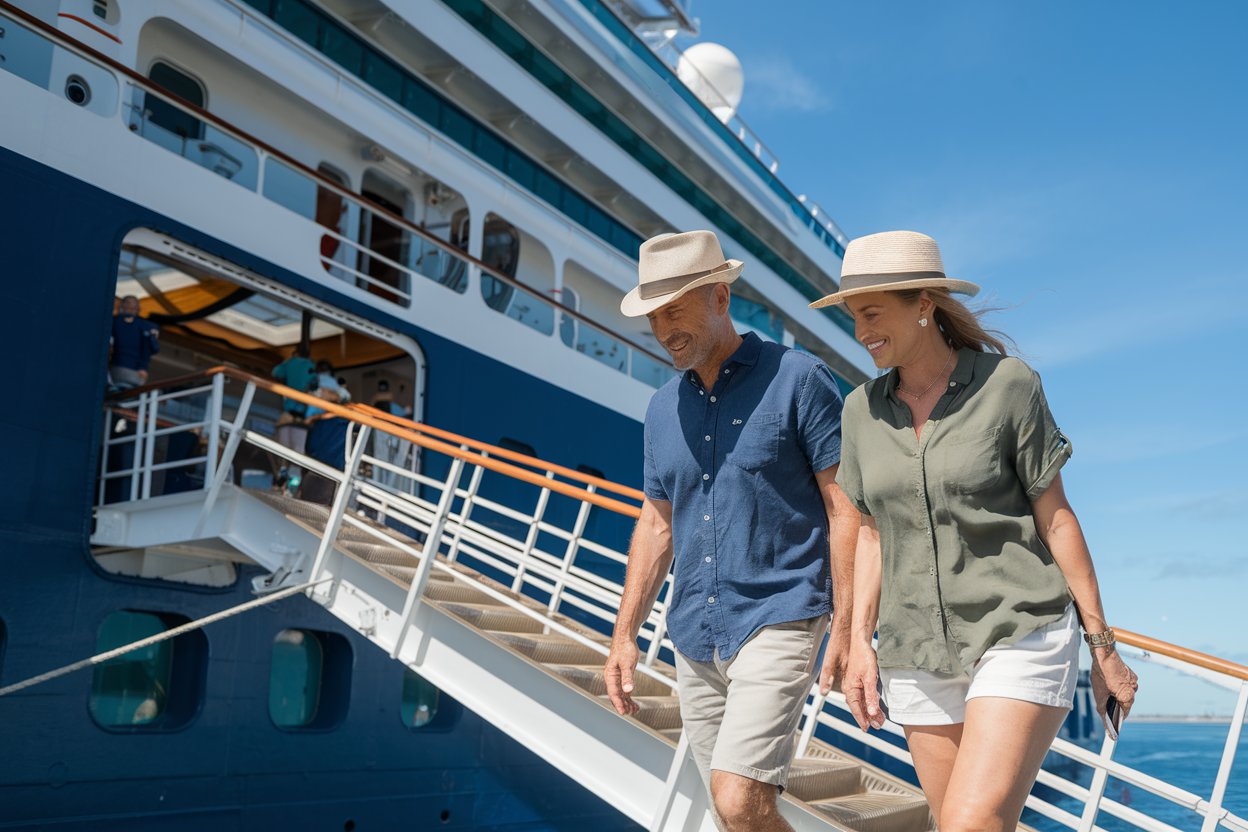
(255, 165)
(454, 522)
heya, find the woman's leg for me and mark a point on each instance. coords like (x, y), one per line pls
(1003, 744)
(935, 749)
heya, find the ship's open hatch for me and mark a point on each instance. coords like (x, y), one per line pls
(210, 313)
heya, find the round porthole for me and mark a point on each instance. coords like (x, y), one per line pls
(78, 90)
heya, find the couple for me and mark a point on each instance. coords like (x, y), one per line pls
(929, 506)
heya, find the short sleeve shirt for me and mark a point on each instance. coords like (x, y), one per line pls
(738, 463)
(963, 564)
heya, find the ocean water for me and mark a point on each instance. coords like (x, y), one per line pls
(1183, 754)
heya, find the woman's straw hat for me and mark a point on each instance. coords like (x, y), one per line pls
(891, 261)
(669, 265)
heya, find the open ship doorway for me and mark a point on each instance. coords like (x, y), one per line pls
(199, 311)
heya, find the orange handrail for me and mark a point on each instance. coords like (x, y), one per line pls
(355, 413)
(1183, 654)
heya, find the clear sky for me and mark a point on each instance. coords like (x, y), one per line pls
(1085, 163)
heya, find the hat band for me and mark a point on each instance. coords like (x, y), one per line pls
(862, 281)
(666, 286)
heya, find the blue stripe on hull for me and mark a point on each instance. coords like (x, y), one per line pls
(230, 768)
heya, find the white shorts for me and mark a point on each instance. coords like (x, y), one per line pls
(1041, 667)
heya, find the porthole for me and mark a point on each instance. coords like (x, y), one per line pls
(77, 90)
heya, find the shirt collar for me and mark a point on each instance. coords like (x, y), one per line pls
(746, 355)
(963, 372)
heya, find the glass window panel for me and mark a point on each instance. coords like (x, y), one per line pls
(343, 48)
(490, 148)
(625, 240)
(548, 187)
(568, 324)
(599, 222)
(520, 169)
(602, 347)
(649, 371)
(456, 125)
(26, 54)
(575, 206)
(420, 700)
(383, 76)
(290, 188)
(131, 689)
(420, 101)
(295, 676)
(165, 115)
(299, 19)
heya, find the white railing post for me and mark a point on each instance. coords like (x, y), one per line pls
(1096, 791)
(569, 554)
(1214, 812)
(342, 498)
(149, 449)
(104, 449)
(237, 429)
(531, 539)
(213, 418)
(136, 459)
(429, 554)
(809, 726)
(664, 810)
(465, 510)
(660, 632)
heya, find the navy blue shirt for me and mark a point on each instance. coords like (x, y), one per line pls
(738, 462)
(134, 343)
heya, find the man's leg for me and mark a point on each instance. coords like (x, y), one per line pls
(703, 693)
(768, 681)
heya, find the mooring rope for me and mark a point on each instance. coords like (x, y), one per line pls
(159, 637)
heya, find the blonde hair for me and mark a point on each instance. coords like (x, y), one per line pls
(960, 325)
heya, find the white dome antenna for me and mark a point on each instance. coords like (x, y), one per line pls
(714, 75)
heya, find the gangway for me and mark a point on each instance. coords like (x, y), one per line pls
(466, 591)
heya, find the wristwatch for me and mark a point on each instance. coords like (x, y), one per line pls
(1095, 640)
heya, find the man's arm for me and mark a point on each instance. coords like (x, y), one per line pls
(649, 559)
(843, 523)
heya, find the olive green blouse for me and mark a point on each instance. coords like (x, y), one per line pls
(962, 560)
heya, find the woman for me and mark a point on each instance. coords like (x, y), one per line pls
(969, 556)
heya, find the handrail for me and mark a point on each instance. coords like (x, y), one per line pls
(358, 416)
(412, 431)
(319, 178)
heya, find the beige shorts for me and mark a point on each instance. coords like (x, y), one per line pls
(1041, 667)
(741, 715)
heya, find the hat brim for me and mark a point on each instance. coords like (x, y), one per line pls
(963, 287)
(634, 305)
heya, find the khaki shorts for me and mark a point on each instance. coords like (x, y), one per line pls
(741, 715)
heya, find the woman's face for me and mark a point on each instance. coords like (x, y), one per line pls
(888, 327)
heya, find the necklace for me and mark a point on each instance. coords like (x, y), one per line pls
(901, 389)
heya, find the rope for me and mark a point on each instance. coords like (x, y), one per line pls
(159, 637)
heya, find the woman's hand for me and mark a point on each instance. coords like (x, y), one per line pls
(861, 683)
(1112, 677)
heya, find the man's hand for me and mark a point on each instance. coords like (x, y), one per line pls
(835, 655)
(619, 675)
(143, 376)
(861, 678)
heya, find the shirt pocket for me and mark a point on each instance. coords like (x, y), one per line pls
(974, 464)
(758, 444)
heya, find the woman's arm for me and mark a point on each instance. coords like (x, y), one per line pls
(862, 672)
(1060, 531)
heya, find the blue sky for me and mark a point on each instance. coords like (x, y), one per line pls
(1085, 163)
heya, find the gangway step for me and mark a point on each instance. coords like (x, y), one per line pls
(594, 680)
(877, 812)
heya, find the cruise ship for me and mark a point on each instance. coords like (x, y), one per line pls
(397, 620)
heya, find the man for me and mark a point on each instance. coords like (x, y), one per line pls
(298, 372)
(740, 466)
(135, 341)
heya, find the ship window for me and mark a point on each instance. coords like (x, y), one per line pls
(490, 149)
(384, 76)
(420, 700)
(456, 125)
(420, 101)
(163, 114)
(309, 679)
(343, 48)
(521, 170)
(158, 687)
(302, 21)
(567, 324)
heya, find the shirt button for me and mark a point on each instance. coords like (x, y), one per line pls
(953, 384)
(706, 517)
(701, 392)
(726, 372)
(711, 600)
(706, 476)
(707, 558)
(712, 398)
(708, 437)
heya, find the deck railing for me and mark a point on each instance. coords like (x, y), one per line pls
(257, 166)
(455, 521)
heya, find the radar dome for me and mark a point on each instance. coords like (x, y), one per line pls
(715, 76)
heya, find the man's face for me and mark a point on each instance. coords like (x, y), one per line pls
(685, 327)
(129, 307)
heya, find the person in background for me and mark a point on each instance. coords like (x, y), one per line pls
(386, 447)
(297, 372)
(134, 342)
(327, 387)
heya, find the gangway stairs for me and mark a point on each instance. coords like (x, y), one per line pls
(413, 562)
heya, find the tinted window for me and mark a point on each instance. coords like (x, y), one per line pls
(309, 680)
(420, 700)
(164, 114)
(156, 687)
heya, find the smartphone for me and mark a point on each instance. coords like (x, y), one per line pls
(1113, 718)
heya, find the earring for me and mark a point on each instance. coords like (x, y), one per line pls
(922, 321)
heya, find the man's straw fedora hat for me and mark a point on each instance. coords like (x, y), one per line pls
(891, 261)
(671, 264)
